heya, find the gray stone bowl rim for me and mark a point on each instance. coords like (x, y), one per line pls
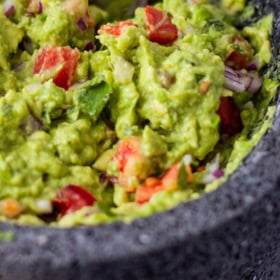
(189, 220)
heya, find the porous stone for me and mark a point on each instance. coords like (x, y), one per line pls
(231, 233)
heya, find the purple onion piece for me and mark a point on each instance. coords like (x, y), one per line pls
(218, 173)
(240, 82)
(9, 11)
(234, 85)
(253, 65)
(35, 7)
(230, 73)
(81, 24)
(8, 7)
(40, 7)
(89, 46)
(255, 85)
(246, 80)
(113, 180)
(28, 14)
(103, 177)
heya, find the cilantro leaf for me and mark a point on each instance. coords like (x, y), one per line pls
(182, 177)
(93, 99)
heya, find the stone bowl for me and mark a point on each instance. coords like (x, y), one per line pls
(231, 233)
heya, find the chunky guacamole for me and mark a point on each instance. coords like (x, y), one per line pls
(103, 121)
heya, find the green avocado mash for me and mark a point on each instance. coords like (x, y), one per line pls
(112, 121)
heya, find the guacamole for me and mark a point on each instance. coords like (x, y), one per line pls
(104, 121)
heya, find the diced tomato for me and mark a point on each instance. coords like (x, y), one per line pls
(168, 182)
(58, 63)
(115, 30)
(145, 192)
(160, 28)
(126, 149)
(72, 198)
(170, 178)
(230, 117)
(133, 166)
(154, 185)
(241, 53)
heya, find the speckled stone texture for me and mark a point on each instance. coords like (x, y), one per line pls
(232, 233)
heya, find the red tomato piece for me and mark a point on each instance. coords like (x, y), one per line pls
(230, 116)
(132, 164)
(170, 178)
(72, 198)
(241, 54)
(160, 28)
(126, 149)
(168, 182)
(58, 63)
(115, 30)
(145, 192)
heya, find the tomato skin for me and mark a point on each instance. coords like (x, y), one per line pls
(127, 149)
(115, 30)
(229, 113)
(145, 192)
(72, 198)
(160, 28)
(133, 166)
(168, 182)
(241, 55)
(60, 62)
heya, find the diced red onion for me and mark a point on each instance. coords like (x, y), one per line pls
(103, 177)
(28, 14)
(230, 73)
(240, 82)
(214, 164)
(218, 173)
(40, 8)
(255, 85)
(8, 7)
(253, 65)
(235, 86)
(35, 7)
(113, 180)
(89, 46)
(81, 24)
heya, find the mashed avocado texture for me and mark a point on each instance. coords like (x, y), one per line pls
(113, 121)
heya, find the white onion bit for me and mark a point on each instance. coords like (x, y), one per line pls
(44, 205)
(187, 159)
(8, 7)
